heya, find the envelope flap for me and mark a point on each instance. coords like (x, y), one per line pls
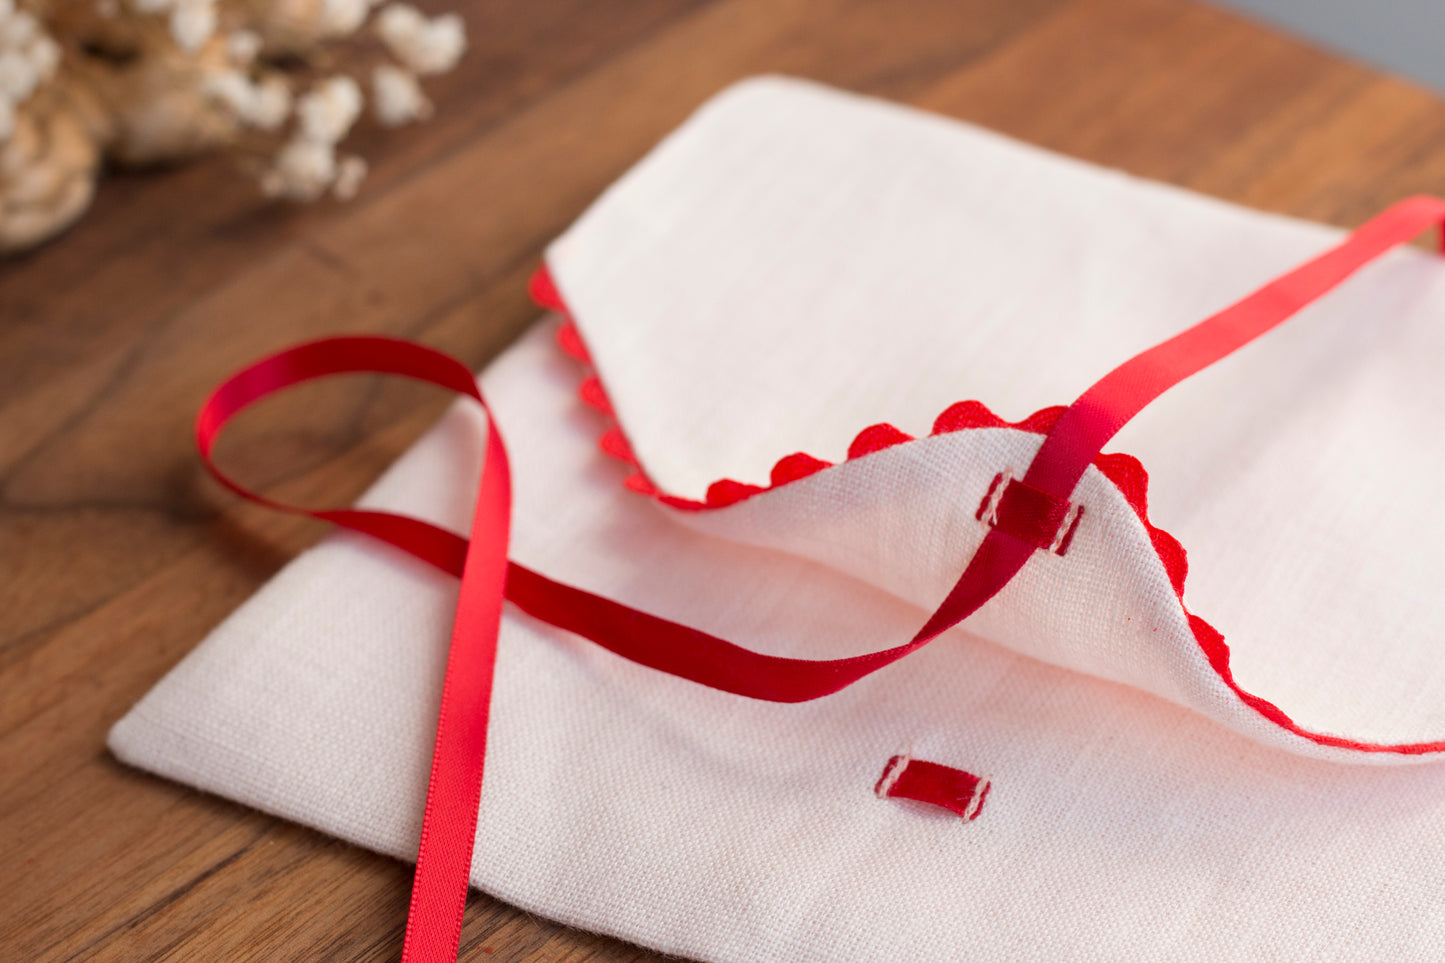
(795, 265)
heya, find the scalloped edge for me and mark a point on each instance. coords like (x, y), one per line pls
(1125, 472)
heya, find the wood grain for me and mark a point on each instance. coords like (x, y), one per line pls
(116, 556)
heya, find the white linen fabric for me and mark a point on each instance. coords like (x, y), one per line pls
(790, 266)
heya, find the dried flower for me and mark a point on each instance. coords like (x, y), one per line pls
(264, 105)
(396, 97)
(148, 81)
(270, 104)
(18, 76)
(426, 46)
(341, 17)
(328, 111)
(48, 166)
(303, 171)
(193, 22)
(19, 29)
(44, 55)
(242, 46)
(350, 172)
(28, 56)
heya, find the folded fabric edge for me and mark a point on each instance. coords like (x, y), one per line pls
(1124, 471)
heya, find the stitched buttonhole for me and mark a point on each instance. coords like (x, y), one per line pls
(988, 508)
(958, 791)
(1029, 513)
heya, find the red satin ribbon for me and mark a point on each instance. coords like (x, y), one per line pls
(449, 826)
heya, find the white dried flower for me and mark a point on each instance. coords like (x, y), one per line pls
(152, 6)
(443, 43)
(426, 46)
(271, 104)
(303, 171)
(396, 97)
(399, 22)
(193, 22)
(230, 87)
(19, 29)
(327, 112)
(242, 46)
(264, 105)
(349, 175)
(18, 76)
(341, 17)
(44, 55)
(28, 58)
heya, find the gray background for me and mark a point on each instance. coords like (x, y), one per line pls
(1406, 36)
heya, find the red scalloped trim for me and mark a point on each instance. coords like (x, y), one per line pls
(1124, 471)
(876, 438)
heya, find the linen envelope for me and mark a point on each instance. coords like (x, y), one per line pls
(812, 332)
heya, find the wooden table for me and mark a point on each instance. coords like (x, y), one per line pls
(117, 555)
